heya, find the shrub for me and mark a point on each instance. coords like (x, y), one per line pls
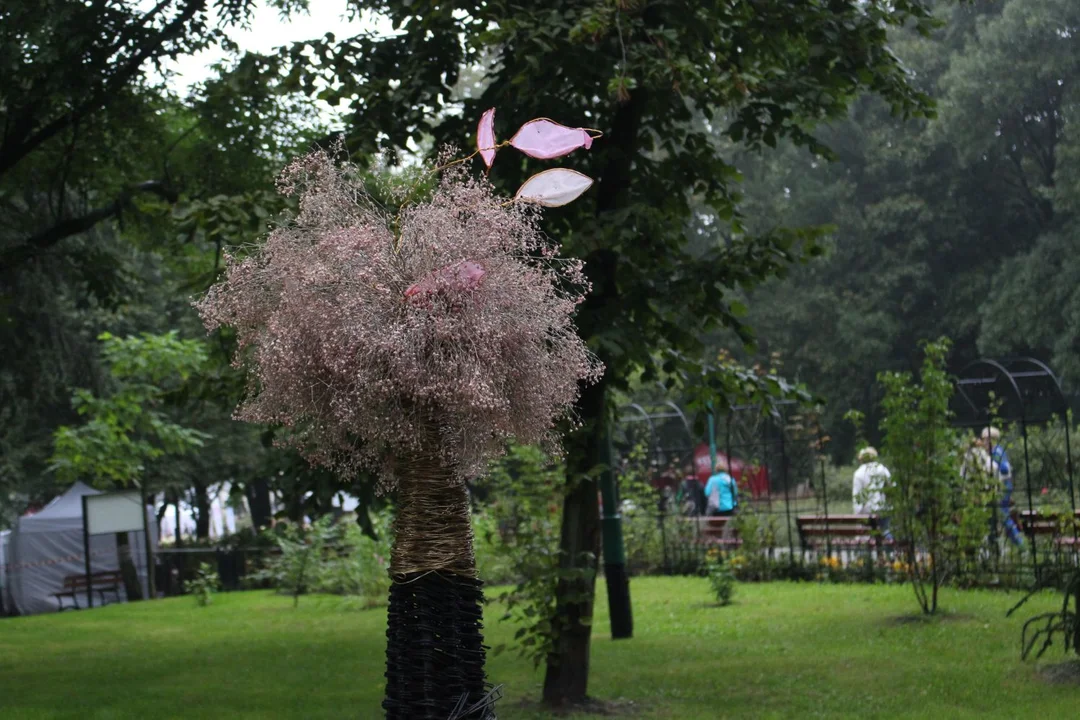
(721, 578)
(519, 538)
(357, 566)
(1049, 453)
(337, 559)
(939, 517)
(300, 548)
(641, 510)
(838, 482)
(758, 532)
(494, 561)
(204, 584)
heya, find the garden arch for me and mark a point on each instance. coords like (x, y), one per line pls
(662, 427)
(1023, 397)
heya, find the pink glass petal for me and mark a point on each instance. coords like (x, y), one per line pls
(485, 137)
(545, 139)
(464, 276)
(554, 187)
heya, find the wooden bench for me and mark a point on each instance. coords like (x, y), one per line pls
(844, 531)
(100, 582)
(1036, 523)
(711, 530)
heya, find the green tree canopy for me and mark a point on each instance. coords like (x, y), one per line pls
(958, 225)
(127, 427)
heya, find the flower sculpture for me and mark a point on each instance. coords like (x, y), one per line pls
(416, 345)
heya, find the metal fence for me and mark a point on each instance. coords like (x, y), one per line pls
(659, 541)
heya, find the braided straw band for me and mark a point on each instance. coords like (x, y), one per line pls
(432, 529)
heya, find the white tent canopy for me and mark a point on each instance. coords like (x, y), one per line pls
(46, 547)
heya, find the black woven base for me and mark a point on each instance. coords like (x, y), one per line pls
(435, 651)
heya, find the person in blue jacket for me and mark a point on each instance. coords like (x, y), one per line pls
(991, 438)
(721, 493)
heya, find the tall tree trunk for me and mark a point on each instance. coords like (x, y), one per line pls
(130, 575)
(365, 496)
(567, 677)
(566, 681)
(1076, 614)
(179, 529)
(202, 511)
(293, 501)
(935, 579)
(160, 514)
(258, 497)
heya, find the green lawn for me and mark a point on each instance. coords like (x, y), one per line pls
(783, 650)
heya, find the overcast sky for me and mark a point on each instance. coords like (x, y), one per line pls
(268, 31)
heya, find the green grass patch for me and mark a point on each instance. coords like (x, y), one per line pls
(782, 650)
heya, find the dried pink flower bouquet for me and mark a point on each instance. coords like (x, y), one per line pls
(358, 333)
(416, 343)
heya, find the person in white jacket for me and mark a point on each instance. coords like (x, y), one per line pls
(868, 488)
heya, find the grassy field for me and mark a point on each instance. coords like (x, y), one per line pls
(783, 650)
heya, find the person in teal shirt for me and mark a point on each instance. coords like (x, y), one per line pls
(721, 493)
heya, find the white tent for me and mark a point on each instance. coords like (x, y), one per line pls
(46, 547)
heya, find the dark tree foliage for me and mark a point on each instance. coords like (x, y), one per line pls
(960, 225)
(116, 199)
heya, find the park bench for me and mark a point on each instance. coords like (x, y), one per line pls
(840, 531)
(1036, 523)
(712, 531)
(100, 582)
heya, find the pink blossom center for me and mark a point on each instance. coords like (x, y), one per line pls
(464, 276)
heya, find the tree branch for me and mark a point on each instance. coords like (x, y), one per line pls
(1032, 201)
(42, 241)
(1043, 156)
(9, 157)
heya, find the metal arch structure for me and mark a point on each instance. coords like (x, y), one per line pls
(742, 432)
(1021, 392)
(685, 422)
(660, 448)
(1028, 391)
(772, 440)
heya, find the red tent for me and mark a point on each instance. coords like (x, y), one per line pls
(752, 477)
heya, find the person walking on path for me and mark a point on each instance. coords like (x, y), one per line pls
(868, 488)
(721, 493)
(991, 441)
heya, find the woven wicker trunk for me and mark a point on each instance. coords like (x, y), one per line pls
(434, 651)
